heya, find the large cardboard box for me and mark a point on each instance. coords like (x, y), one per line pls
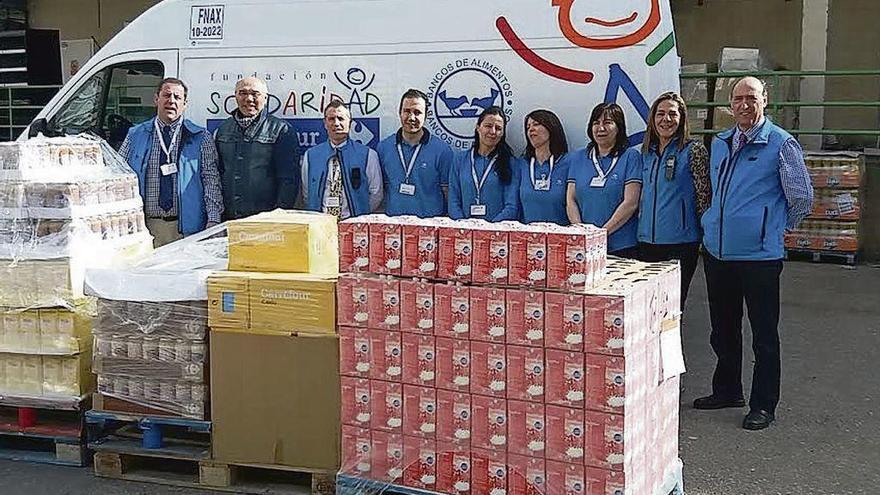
(284, 241)
(275, 399)
(272, 303)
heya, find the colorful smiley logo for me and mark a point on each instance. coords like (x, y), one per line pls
(621, 25)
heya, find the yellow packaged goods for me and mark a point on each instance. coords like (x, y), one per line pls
(271, 303)
(45, 376)
(44, 331)
(284, 241)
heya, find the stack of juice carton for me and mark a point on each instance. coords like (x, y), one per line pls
(482, 358)
(65, 204)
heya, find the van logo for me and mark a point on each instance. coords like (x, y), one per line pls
(459, 92)
(598, 27)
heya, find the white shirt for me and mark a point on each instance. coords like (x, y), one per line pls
(374, 181)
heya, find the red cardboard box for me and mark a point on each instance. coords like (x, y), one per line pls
(488, 307)
(525, 373)
(604, 440)
(454, 417)
(565, 321)
(354, 246)
(387, 464)
(567, 479)
(353, 300)
(452, 304)
(604, 332)
(453, 364)
(456, 253)
(526, 475)
(454, 469)
(604, 481)
(387, 350)
(565, 378)
(565, 434)
(386, 247)
(417, 306)
(491, 255)
(419, 411)
(526, 428)
(419, 250)
(355, 356)
(384, 303)
(525, 317)
(419, 360)
(387, 402)
(488, 369)
(489, 423)
(489, 473)
(567, 259)
(356, 451)
(420, 463)
(356, 407)
(608, 381)
(528, 257)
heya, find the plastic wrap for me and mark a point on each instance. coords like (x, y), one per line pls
(475, 251)
(549, 381)
(151, 332)
(65, 204)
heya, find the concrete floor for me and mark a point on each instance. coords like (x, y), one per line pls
(826, 439)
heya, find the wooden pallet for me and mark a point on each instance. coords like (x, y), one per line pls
(56, 438)
(836, 257)
(174, 469)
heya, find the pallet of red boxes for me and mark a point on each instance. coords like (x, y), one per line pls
(546, 380)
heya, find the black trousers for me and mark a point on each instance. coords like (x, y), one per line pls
(687, 254)
(630, 252)
(728, 284)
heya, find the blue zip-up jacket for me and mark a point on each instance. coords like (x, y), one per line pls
(501, 200)
(429, 174)
(668, 207)
(746, 220)
(191, 214)
(354, 175)
(539, 205)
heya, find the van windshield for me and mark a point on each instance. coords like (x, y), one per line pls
(111, 101)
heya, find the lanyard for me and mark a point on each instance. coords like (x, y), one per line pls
(478, 183)
(165, 148)
(532, 171)
(602, 175)
(408, 167)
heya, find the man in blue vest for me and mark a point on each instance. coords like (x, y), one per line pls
(341, 176)
(259, 155)
(760, 188)
(415, 165)
(176, 164)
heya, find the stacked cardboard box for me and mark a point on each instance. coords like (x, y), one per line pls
(274, 347)
(833, 225)
(65, 204)
(698, 91)
(506, 387)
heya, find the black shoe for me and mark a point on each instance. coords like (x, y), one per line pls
(758, 420)
(715, 402)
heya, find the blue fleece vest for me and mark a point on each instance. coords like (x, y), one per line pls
(746, 220)
(668, 208)
(354, 176)
(191, 217)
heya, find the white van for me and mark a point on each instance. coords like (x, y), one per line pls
(563, 55)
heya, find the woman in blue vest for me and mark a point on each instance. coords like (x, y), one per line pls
(605, 181)
(483, 180)
(543, 178)
(675, 189)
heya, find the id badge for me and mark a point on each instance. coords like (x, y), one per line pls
(332, 202)
(168, 168)
(542, 184)
(478, 210)
(597, 182)
(408, 189)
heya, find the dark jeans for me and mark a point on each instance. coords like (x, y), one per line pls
(728, 284)
(687, 254)
(630, 252)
